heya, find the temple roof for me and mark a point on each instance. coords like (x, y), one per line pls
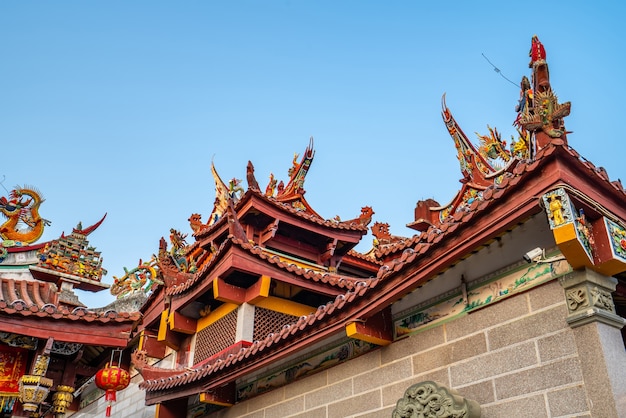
(40, 299)
(37, 280)
(356, 224)
(263, 255)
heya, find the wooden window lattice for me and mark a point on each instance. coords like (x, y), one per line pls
(216, 337)
(267, 321)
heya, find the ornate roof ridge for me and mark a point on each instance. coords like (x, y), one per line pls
(509, 177)
(597, 171)
(364, 256)
(352, 224)
(24, 248)
(435, 234)
(191, 375)
(395, 247)
(181, 288)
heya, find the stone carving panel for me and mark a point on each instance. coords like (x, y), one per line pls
(589, 299)
(431, 400)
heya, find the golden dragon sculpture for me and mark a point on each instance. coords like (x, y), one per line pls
(23, 224)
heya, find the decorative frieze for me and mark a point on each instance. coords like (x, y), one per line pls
(432, 400)
(481, 293)
(304, 366)
(617, 239)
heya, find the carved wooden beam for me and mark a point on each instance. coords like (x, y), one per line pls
(269, 232)
(222, 396)
(329, 252)
(182, 324)
(166, 335)
(376, 329)
(149, 343)
(225, 292)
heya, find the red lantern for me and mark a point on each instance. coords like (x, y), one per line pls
(111, 379)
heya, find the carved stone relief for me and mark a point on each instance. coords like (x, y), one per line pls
(431, 400)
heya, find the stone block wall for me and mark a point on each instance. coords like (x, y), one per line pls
(130, 404)
(516, 358)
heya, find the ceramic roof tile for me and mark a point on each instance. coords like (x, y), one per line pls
(29, 297)
(384, 250)
(261, 254)
(331, 223)
(362, 256)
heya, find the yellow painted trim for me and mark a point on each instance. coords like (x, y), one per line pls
(216, 315)
(284, 306)
(565, 233)
(203, 399)
(352, 332)
(266, 281)
(162, 327)
(142, 335)
(216, 288)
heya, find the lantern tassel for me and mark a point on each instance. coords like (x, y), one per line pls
(108, 412)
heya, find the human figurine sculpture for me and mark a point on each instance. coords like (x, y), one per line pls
(556, 209)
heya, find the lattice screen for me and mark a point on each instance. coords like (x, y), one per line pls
(266, 322)
(216, 337)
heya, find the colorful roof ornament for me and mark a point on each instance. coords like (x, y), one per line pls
(23, 224)
(173, 265)
(493, 148)
(539, 119)
(539, 109)
(223, 193)
(86, 231)
(297, 173)
(293, 192)
(474, 166)
(71, 257)
(382, 236)
(139, 279)
(481, 168)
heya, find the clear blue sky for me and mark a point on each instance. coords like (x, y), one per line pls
(119, 106)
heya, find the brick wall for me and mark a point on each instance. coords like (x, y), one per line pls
(130, 404)
(516, 358)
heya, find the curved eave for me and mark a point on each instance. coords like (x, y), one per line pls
(113, 330)
(26, 248)
(32, 308)
(255, 199)
(243, 256)
(49, 275)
